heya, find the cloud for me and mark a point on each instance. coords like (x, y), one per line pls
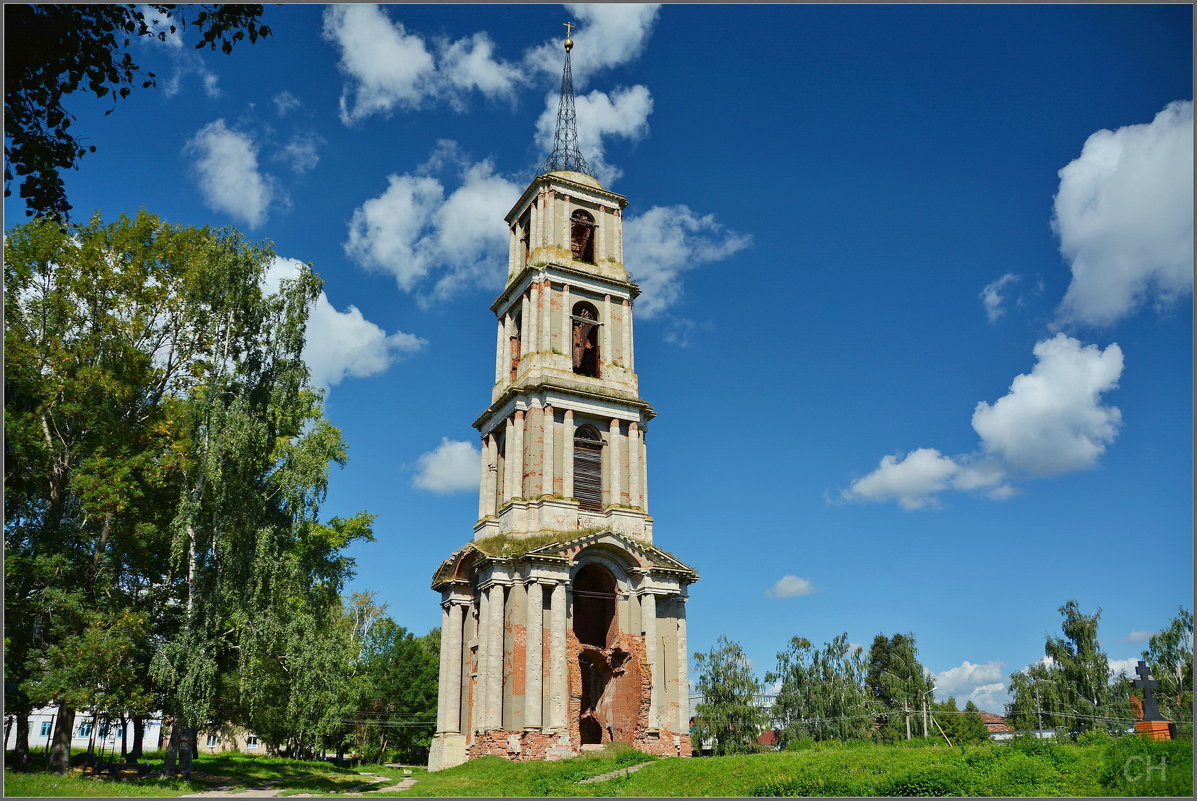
(983, 684)
(790, 587)
(912, 480)
(285, 103)
(623, 113)
(1124, 215)
(416, 232)
(1139, 636)
(160, 23)
(301, 152)
(608, 35)
(993, 299)
(342, 343)
(1123, 667)
(226, 170)
(666, 241)
(451, 467)
(390, 68)
(1052, 421)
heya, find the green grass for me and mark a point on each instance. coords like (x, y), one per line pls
(235, 770)
(1021, 768)
(1027, 768)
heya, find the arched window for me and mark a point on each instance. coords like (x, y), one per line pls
(585, 340)
(515, 345)
(594, 605)
(581, 236)
(524, 228)
(588, 469)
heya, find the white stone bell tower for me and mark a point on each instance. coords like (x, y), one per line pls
(563, 625)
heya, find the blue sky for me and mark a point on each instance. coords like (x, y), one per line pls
(917, 312)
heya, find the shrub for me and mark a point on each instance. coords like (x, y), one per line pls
(937, 781)
(1136, 766)
(1094, 737)
(810, 786)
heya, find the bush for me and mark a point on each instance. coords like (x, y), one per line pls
(937, 781)
(1136, 766)
(810, 786)
(1095, 737)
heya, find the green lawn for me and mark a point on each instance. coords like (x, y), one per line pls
(231, 770)
(1033, 768)
(1023, 768)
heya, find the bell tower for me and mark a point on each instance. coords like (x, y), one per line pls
(564, 626)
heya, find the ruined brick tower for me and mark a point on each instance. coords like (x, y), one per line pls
(563, 626)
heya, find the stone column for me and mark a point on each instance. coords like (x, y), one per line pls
(517, 480)
(644, 469)
(492, 466)
(634, 464)
(442, 706)
(600, 234)
(534, 668)
(567, 455)
(494, 686)
(546, 461)
(648, 616)
(534, 454)
(482, 663)
(629, 351)
(453, 705)
(532, 321)
(534, 238)
(605, 354)
(509, 465)
(567, 325)
(565, 224)
(546, 315)
(614, 484)
(483, 510)
(500, 345)
(557, 667)
(683, 673)
(619, 236)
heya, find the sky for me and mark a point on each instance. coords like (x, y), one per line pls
(917, 310)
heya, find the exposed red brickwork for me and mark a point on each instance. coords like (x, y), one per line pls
(532, 745)
(519, 658)
(1153, 729)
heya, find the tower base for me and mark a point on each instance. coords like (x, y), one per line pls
(448, 750)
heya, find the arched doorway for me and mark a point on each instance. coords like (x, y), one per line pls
(604, 714)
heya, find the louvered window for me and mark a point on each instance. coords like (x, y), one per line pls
(588, 469)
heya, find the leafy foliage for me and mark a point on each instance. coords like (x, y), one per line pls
(898, 682)
(823, 694)
(729, 712)
(53, 51)
(1169, 654)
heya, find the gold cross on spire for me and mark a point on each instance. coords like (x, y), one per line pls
(569, 28)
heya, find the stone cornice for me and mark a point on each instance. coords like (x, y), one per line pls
(532, 389)
(518, 282)
(549, 179)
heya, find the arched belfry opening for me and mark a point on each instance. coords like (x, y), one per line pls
(588, 469)
(594, 605)
(516, 343)
(585, 339)
(581, 236)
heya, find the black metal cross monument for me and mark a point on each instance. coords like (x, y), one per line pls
(1151, 710)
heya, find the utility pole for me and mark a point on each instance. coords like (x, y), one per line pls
(924, 714)
(906, 709)
(1038, 711)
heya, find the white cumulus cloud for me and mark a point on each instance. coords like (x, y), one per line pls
(285, 103)
(226, 169)
(621, 113)
(1123, 667)
(664, 242)
(415, 231)
(302, 152)
(452, 466)
(339, 344)
(790, 587)
(983, 684)
(1124, 215)
(1052, 421)
(608, 35)
(390, 68)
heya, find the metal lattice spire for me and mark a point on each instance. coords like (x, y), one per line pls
(565, 155)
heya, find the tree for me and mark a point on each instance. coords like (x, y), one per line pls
(53, 51)
(166, 466)
(823, 694)
(1084, 670)
(729, 711)
(1037, 699)
(960, 726)
(898, 682)
(1169, 654)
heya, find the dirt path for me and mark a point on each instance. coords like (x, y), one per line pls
(614, 774)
